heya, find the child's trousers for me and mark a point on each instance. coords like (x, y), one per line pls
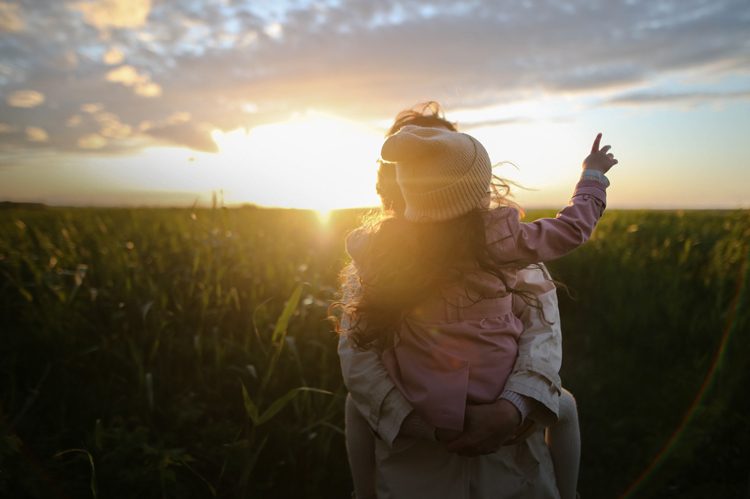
(564, 444)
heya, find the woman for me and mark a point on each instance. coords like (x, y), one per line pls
(409, 462)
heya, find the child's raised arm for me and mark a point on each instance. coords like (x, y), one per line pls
(550, 238)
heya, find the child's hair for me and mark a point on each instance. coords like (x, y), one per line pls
(407, 262)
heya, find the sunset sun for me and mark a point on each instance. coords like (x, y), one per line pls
(316, 161)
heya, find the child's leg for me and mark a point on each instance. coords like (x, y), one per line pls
(360, 445)
(564, 442)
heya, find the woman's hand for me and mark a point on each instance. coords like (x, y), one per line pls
(599, 159)
(486, 428)
(446, 435)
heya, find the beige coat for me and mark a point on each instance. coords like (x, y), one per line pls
(409, 467)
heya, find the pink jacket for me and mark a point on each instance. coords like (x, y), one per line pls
(452, 351)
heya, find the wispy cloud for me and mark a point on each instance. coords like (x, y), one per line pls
(36, 134)
(113, 56)
(113, 13)
(141, 83)
(689, 98)
(11, 17)
(25, 98)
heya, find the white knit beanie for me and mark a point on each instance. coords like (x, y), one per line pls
(442, 174)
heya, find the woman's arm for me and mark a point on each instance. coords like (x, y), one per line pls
(373, 392)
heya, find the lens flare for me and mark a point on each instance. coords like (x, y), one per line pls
(739, 297)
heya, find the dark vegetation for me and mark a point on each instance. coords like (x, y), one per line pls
(152, 345)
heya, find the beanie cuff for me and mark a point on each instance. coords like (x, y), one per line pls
(451, 201)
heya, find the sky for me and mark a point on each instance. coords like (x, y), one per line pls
(286, 103)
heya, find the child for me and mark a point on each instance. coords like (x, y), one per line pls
(443, 278)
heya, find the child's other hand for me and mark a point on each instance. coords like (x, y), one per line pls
(600, 159)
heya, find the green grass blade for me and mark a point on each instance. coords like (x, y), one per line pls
(210, 487)
(94, 488)
(250, 407)
(250, 466)
(255, 327)
(279, 332)
(280, 402)
(295, 353)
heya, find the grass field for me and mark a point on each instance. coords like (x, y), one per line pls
(145, 353)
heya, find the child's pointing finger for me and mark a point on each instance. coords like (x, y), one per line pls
(595, 147)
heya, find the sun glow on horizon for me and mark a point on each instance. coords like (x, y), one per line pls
(320, 162)
(323, 216)
(315, 161)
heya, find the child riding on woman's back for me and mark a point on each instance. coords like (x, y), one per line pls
(437, 288)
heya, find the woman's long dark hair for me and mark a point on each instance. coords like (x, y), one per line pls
(407, 263)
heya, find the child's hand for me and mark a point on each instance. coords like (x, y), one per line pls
(599, 159)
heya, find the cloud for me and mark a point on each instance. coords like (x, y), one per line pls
(691, 98)
(128, 76)
(274, 30)
(25, 98)
(74, 120)
(113, 13)
(92, 141)
(11, 17)
(36, 134)
(5, 128)
(178, 117)
(111, 126)
(113, 56)
(148, 89)
(92, 107)
(195, 136)
(466, 126)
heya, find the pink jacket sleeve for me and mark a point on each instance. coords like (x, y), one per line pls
(548, 238)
